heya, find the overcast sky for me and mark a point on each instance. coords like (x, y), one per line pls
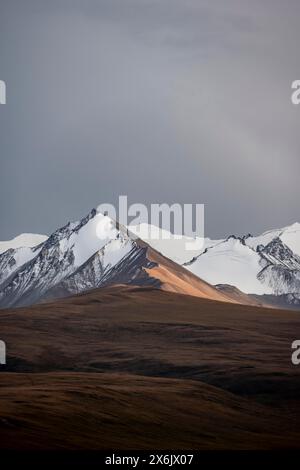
(162, 100)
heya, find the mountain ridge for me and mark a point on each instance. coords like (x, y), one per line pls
(87, 254)
(97, 252)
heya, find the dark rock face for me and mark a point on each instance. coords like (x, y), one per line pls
(281, 269)
(52, 270)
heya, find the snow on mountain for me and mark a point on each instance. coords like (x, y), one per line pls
(231, 263)
(263, 265)
(96, 251)
(281, 268)
(13, 259)
(59, 257)
(172, 246)
(90, 253)
(29, 240)
(290, 236)
(18, 251)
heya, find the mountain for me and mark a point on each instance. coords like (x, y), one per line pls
(96, 252)
(90, 253)
(29, 240)
(172, 246)
(267, 265)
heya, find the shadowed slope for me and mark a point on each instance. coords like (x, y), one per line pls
(139, 367)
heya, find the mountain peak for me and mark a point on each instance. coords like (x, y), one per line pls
(29, 240)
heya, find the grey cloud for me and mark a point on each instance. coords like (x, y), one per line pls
(163, 100)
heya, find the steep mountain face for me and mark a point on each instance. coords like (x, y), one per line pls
(267, 265)
(282, 268)
(127, 268)
(96, 252)
(87, 254)
(93, 245)
(270, 265)
(230, 262)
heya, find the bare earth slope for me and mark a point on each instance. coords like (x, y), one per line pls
(140, 368)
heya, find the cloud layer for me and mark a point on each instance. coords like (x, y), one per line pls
(162, 100)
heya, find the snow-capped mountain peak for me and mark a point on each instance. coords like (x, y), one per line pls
(28, 240)
(267, 264)
(90, 253)
(97, 251)
(28, 273)
(289, 235)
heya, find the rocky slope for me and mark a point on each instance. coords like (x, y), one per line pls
(267, 265)
(93, 252)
